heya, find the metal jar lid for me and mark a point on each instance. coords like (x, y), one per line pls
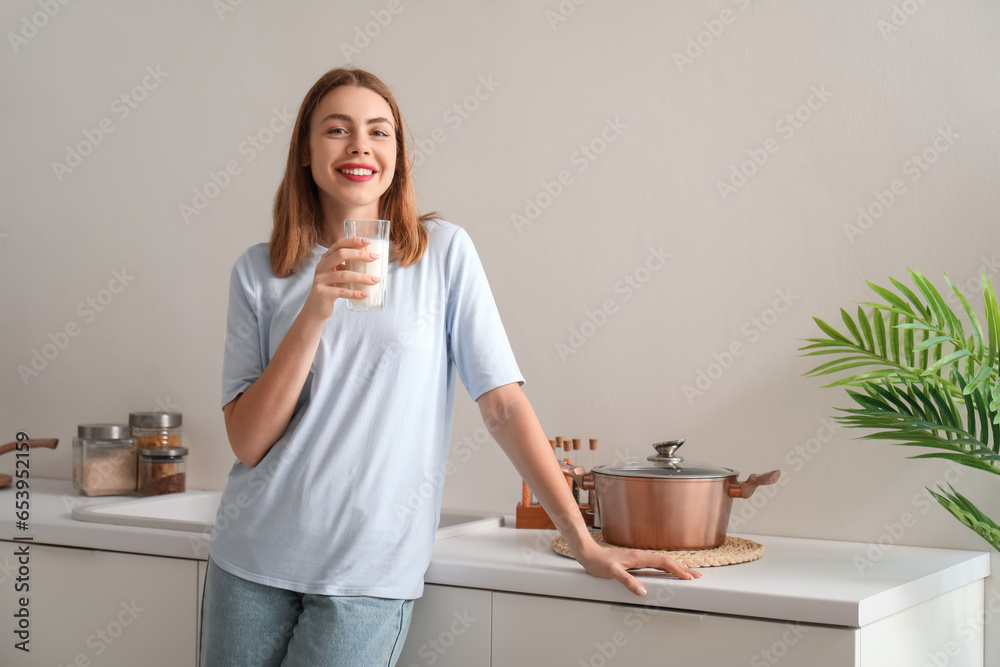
(162, 452)
(103, 431)
(154, 419)
(666, 464)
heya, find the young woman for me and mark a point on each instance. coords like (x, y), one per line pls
(340, 420)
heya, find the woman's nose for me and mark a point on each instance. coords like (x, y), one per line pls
(359, 147)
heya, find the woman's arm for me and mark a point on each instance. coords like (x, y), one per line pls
(512, 422)
(256, 418)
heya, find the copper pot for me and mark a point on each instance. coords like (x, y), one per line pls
(668, 503)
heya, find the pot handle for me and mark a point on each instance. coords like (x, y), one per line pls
(47, 442)
(584, 479)
(746, 489)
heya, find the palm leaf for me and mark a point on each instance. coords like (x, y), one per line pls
(829, 331)
(908, 345)
(977, 330)
(933, 341)
(992, 320)
(852, 328)
(894, 335)
(961, 458)
(880, 337)
(983, 411)
(984, 373)
(917, 380)
(957, 355)
(924, 335)
(889, 296)
(915, 325)
(970, 515)
(866, 329)
(920, 311)
(944, 315)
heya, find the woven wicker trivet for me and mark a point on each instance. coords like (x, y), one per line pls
(733, 550)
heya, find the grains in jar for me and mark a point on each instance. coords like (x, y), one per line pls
(104, 460)
(156, 429)
(162, 470)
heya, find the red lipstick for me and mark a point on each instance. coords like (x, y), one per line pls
(359, 173)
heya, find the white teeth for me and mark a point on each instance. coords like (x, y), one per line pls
(358, 172)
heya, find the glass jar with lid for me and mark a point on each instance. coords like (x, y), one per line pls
(104, 460)
(162, 470)
(156, 429)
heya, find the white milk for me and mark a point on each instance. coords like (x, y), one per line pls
(379, 267)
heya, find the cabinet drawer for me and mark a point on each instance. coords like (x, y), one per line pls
(530, 630)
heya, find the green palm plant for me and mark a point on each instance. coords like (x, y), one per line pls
(919, 380)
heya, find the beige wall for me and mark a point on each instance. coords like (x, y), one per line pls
(740, 137)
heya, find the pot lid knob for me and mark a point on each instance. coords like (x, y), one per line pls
(666, 452)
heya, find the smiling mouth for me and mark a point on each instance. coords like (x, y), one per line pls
(357, 172)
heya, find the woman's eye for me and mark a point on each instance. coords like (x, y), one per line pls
(335, 130)
(380, 133)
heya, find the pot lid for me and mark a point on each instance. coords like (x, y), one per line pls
(666, 463)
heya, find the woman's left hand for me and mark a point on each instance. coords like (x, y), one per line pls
(614, 564)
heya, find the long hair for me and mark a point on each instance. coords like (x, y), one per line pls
(298, 217)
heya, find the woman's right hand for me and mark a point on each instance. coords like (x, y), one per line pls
(332, 280)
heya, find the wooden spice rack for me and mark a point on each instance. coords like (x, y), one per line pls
(530, 514)
(535, 516)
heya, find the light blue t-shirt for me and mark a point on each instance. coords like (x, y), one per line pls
(347, 500)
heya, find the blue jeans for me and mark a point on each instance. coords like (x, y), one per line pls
(245, 624)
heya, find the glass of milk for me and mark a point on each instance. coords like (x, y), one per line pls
(376, 231)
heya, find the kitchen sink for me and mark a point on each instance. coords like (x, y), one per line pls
(455, 522)
(191, 511)
(194, 511)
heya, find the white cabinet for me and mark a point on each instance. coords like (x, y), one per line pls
(530, 630)
(947, 631)
(108, 609)
(450, 628)
(101, 609)
(534, 630)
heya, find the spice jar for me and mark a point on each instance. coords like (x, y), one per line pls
(104, 460)
(162, 470)
(156, 429)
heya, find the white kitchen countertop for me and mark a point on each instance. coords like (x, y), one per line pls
(809, 581)
(812, 581)
(52, 500)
